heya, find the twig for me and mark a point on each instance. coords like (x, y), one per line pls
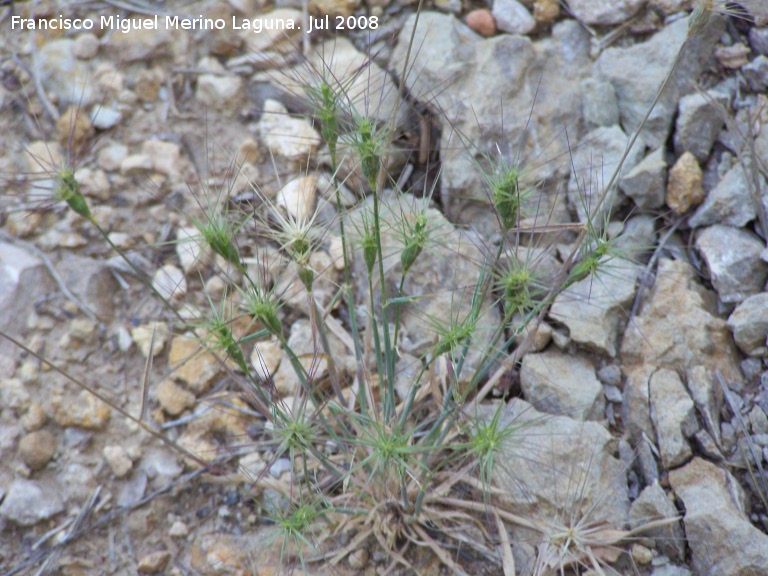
(56, 277)
(80, 529)
(50, 109)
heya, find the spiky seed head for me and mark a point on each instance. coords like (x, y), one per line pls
(370, 249)
(415, 241)
(505, 195)
(369, 152)
(264, 309)
(227, 342)
(328, 111)
(69, 191)
(307, 277)
(517, 289)
(218, 235)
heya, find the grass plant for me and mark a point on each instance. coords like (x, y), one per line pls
(398, 468)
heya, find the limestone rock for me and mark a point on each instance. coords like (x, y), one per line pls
(673, 417)
(604, 12)
(698, 123)
(173, 398)
(512, 17)
(584, 187)
(192, 364)
(733, 258)
(677, 330)
(26, 503)
(118, 460)
(594, 308)
(298, 197)
(84, 411)
(142, 336)
(653, 504)
(646, 182)
(170, 283)
(544, 475)
(285, 136)
(749, 324)
(721, 538)
(727, 203)
(684, 186)
(637, 71)
(562, 384)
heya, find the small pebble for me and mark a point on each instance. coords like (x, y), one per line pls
(155, 562)
(281, 465)
(118, 460)
(482, 22)
(37, 448)
(178, 530)
(86, 46)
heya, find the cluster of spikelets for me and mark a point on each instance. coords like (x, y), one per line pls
(403, 473)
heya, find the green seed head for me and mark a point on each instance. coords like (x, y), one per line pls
(307, 277)
(265, 310)
(369, 152)
(219, 237)
(226, 341)
(517, 293)
(69, 191)
(330, 129)
(370, 249)
(416, 239)
(506, 198)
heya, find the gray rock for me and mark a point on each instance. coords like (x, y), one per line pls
(64, 75)
(758, 39)
(604, 12)
(610, 375)
(749, 324)
(756, 73)
(636, 242)
(637, 72)
(23, 279)
(106, 117)
(707, 396)
(720, 536)
(647, 465)
(676, 329)
(594, 308)
(646, 183)
(595, 158)
(554, 466)
(707, 446)
(698, 123)
(600, 106)
(654, 504)
(557, 383)
(673, 417)
(512, 17)
(727, 203)
(758, 420)
(733, 258)
(28, 503)
(131, 491)
(476, 83)
(670, 570)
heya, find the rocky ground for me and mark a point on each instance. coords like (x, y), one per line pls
(654, 374)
